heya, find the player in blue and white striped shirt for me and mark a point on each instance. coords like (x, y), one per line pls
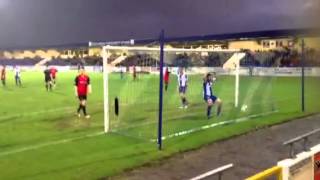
(183, 84)
(17, 76)
(208, 95)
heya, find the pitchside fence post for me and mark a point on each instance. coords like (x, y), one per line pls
(160, 90)
(302, 75)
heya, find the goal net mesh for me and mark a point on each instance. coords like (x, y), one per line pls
(133, 90)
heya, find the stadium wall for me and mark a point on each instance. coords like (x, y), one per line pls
(259, 71)
(244, 71)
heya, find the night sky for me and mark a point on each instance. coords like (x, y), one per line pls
(48, 22)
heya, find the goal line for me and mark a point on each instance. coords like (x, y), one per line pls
(238, 120)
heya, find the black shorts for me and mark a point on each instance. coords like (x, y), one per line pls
(82, 97)
(47, 80)
(182, 89)
(213, 98)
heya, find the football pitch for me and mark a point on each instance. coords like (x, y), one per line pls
(42, 138)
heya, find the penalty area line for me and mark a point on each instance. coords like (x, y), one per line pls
(68, 109)
(242, 119)
(38, 146)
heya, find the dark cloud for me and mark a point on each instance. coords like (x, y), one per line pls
(45, 22)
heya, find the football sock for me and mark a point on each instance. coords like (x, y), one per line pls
(184, 101)
(84, 110)
(79, 108)
(208, 111)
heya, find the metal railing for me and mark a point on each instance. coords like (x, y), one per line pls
(274, 171)
(219, 171)
(304, 138)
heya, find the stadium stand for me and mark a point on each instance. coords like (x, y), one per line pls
(21, 62)
(138, 60)
(273, 58)
(278, 58)
(76, 61)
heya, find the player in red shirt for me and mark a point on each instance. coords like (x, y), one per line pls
(166, 78)
(3, 75)
(82, 89)
(53, 72)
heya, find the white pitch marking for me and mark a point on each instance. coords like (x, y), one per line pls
(190, 114)
(38, 146)
(68, 109)
(242, 119)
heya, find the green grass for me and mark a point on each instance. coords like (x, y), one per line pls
(32, 117)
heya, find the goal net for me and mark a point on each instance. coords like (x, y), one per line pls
(131, 83)
(131, 79)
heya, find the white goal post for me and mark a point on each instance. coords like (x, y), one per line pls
(232, 64)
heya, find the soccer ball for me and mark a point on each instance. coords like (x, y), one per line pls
(244, 108)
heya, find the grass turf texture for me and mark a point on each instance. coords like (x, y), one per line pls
(32, 117)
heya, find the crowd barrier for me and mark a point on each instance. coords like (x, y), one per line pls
(244, 71)
(304, 166)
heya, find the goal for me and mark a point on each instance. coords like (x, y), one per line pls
(131, 88)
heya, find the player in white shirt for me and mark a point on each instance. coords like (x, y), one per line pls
(17, 75)
(208, 95)
(183, 84)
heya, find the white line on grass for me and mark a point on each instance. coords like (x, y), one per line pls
(167, 119)
(34, 113)
(191, 114)
(242, 119)
(38, 146)
(65, 109)
(171, 118)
